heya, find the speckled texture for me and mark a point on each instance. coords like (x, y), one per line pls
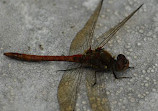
(47, 27)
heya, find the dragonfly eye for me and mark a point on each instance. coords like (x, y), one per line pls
(122, 63)
(120, 56)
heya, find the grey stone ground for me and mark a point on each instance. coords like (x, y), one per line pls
(47, 27)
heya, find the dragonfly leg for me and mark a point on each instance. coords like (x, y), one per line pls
(70, 68)
(115, 75)
(119, 77)
(131, 67)
(95, 76)
(95, 79)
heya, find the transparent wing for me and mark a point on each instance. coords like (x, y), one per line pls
(97, 94)
(105, 37)
(83, 39)
(68, 86)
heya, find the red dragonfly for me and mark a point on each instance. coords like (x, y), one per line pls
(87, 54)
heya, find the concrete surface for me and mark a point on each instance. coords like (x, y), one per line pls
(47, 27)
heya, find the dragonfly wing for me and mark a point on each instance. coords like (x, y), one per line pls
(68, 88)
(97, 94)
(83, 39)
(105, 37)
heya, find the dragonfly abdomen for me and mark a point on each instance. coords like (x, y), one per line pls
(26, 57)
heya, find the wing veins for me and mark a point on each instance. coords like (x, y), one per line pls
(96, 94)
(110, 33)
(83, 39)
(68, 89)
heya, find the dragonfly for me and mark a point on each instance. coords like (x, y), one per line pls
(88, 54)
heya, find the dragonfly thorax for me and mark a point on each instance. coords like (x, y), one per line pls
(98, 59)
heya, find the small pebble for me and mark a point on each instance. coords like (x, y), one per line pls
(139, 44)
(152, 70)
(143, 71)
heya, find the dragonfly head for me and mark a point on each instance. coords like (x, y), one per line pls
(122, 63)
